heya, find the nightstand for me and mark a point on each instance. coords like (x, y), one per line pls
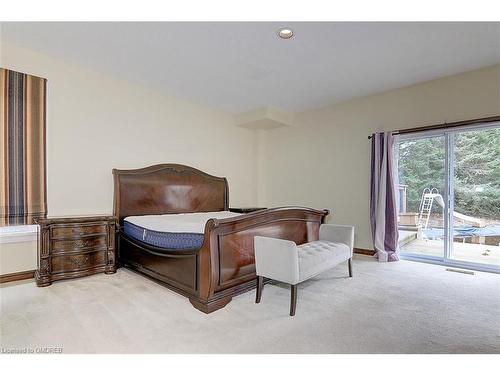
(245, 210)
(70, 247)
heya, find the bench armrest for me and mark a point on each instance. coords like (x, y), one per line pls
(337, 233)
(276, 259)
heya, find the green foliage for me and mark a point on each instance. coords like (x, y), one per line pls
(421, 165)
(477, 171)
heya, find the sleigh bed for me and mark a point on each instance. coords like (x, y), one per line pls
(219, 263)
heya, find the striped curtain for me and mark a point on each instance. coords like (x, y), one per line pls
(23, 193)
(383, 205)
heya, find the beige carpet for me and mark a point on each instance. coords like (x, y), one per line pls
(402, 307)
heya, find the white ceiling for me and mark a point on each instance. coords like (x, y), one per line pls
(242, 66)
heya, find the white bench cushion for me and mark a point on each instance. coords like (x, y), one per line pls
(318, 256)
(284, 261)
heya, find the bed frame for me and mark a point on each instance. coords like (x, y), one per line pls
(224, 266)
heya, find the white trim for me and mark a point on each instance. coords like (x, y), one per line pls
(449, 192)
(19, 233)
(481, 267)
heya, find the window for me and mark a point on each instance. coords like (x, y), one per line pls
(22, 142)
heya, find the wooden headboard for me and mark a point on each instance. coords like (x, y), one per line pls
(167, 189)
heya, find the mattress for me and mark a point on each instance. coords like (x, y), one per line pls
(172, 231)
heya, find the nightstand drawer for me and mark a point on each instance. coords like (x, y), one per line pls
(65, 263)
(78, 230)
(86, 243)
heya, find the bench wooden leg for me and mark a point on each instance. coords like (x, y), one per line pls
(349, 264)
(293, 299)
(260, 286)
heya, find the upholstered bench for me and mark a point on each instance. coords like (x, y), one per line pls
(284, 261)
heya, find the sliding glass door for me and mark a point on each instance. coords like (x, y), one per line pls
(475, 207)
(449, 196)
(422, 175)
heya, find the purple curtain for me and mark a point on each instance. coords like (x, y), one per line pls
(383, 208)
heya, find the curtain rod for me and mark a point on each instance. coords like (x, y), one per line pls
(446, 125)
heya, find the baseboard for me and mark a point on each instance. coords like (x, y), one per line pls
(16, 276)
(364, 251)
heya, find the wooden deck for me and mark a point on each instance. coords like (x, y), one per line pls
(467, 252)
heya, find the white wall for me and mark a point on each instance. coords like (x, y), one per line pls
(323, 161)
(96, 123)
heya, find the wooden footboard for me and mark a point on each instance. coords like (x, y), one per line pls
(225, 265)
(226, 260)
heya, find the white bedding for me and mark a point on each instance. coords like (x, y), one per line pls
(178, 223)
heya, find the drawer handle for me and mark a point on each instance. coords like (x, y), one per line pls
(81, 244)
(81, 261)
(81, 231)
(87, 230)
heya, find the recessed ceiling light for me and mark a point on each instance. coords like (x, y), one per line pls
(285, 33)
